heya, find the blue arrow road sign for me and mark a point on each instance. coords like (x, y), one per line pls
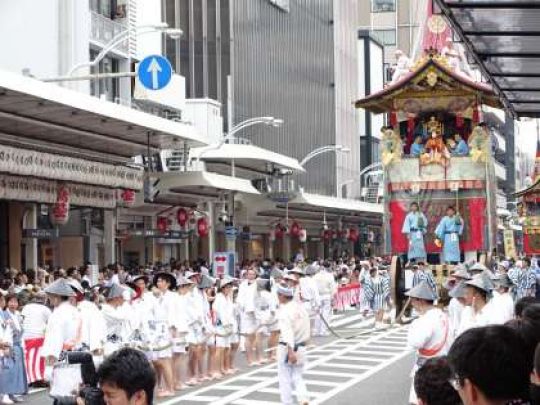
(154, 72)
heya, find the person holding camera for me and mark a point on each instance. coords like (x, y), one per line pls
(126, 378)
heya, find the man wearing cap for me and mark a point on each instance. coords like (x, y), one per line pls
(502, 304)
(247, 292)
(63, 331)
(327, 286)
(196, 336)
(180, 328)
(457, 301)
(477, 311)
(448, 231)
(309, 294)
(117, 320)
(415, 227)
(291, 359)
(429, 334)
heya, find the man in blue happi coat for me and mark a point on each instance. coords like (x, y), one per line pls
(461, 149)
(415, 227)
(448, 231)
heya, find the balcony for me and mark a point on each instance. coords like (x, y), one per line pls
(500, 170)
(498, 140)
(103, 30)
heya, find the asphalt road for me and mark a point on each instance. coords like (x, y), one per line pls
(371, 368)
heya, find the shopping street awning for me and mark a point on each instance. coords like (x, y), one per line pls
(247, 157)
(503, 37)
(187, 189)
(50, 118)
(315, 207)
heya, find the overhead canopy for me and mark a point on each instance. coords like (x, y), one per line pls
(504, 39)
(203, 183)
(529, 191)
(431, 84)
(47, 117)
(315, 207)
(248, 157)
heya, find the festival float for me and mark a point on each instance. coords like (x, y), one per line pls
(436, 152)
(528, 211)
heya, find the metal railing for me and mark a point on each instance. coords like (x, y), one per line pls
(103, 30)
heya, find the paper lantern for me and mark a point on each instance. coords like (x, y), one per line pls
(162, 224)
(302, 236)
(202, 227)
(295, 229)
(60, 209)
(353, 235)
(182, 217)
(272, 235)
(327, 234)
(393, 119)
(128, 198)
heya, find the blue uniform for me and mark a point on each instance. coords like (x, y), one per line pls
(462, 149)
(415, 226)
(417, 149)
(526, 283)
(449, 232)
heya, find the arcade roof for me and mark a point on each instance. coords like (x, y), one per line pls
(504, 39)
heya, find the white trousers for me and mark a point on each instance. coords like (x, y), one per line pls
(290, 377)
(320, 328)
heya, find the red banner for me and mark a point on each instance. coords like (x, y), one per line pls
(346, 296)
(531, 244)
(472, 210)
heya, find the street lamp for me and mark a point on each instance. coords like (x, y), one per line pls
(174, 33)
(324, 149)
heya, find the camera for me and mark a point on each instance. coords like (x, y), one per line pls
(89, 391)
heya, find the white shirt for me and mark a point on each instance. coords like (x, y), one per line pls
(179, 318)
(63, 328)
(6, 335)
(501, 309)
(94, 328)
(267, 305)
(326, 283)
(224, 310)
(455, 309)
(294, 324)
(470, 319)
(246, 296)
(35, 317)
(429, 335)
(117, 321)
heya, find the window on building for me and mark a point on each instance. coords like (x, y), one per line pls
(110, 8)
(387, 37)
(381, 6)
(107, 87)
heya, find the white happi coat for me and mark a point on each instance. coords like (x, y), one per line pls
(63, 330)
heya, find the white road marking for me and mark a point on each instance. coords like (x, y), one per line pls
(368, 348)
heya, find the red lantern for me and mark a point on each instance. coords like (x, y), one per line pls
(295, 229)
(475, 114)
(182, 217)
(459, 120)
(393, 119)
(327, 234)
(128, 198)
(60, 209)
(202, 227)
(279, 231)
(353, 235)
(162, 224)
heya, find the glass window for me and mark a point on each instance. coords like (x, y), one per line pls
(381, 6)
(387, 37)
(108, 88)
(106, 7)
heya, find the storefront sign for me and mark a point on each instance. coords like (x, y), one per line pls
(57, 167)
(223, 264)
(509, 244)
(156, 233)
(45, 192)
(41, 233)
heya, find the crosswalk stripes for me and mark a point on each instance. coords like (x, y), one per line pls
(331, 369)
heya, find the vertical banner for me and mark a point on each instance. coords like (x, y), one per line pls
(509, 244)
